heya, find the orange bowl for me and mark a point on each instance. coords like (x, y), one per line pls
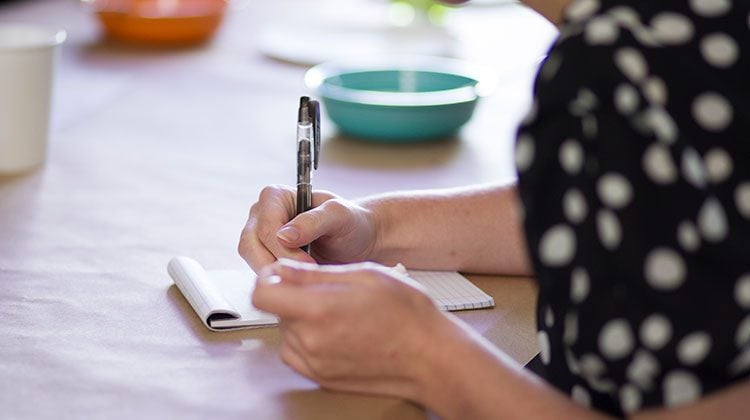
(160, 22)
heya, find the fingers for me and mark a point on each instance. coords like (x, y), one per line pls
(318, 307)
(287, 295)
(303, 273)
(321, 196)
(292, 351)
(259, 245)
(331, 375)
(299, 290)
(253, 251)
(328, 218)
(280, 298)
(356, 273)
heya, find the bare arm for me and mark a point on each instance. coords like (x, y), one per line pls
(404, 346)
(488, 384)
(550, 9)
(475, 229)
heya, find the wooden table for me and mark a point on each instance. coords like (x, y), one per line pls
(160, 153)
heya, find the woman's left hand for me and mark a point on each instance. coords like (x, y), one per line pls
(358, 328)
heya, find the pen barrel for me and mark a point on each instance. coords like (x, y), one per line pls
(304, 198)
(304, 162)
(305, 131)
(304, 203)
(304, 173)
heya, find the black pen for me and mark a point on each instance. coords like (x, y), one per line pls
(308, 148)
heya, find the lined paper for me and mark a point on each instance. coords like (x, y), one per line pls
(452, 291)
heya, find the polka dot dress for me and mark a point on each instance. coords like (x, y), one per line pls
(634, 171)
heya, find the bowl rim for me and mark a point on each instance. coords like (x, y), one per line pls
(316, 76)
(106, 7)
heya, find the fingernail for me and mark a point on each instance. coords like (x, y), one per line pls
(288, 234)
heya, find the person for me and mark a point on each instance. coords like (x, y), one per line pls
(632, 212)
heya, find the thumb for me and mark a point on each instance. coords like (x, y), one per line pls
(308, 226)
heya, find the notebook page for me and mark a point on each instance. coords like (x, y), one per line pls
(194, 283)
(237, 288)
(452, 291)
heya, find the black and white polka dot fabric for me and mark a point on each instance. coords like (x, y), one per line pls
(634, 172)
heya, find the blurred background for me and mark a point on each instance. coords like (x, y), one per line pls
(223, 96)
(215, 40)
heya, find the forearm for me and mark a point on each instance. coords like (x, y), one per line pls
(474, 229)
(550, 9)
(461, 375)
(467, 377)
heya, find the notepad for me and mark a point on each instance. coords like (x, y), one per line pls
(221, 298)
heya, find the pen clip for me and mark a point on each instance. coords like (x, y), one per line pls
(314, 110)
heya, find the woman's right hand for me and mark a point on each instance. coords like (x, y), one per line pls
(340, 231)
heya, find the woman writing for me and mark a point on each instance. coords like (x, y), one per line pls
(632, 211)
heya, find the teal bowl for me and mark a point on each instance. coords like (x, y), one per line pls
(399, 99)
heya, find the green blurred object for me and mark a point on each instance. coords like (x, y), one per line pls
(399, 99)
(433, 10)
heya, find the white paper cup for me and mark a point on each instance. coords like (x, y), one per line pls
(27, 60)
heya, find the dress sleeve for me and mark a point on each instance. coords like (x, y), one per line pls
(634, 173)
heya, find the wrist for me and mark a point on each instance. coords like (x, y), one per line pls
(380, 220)
(441, 381)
